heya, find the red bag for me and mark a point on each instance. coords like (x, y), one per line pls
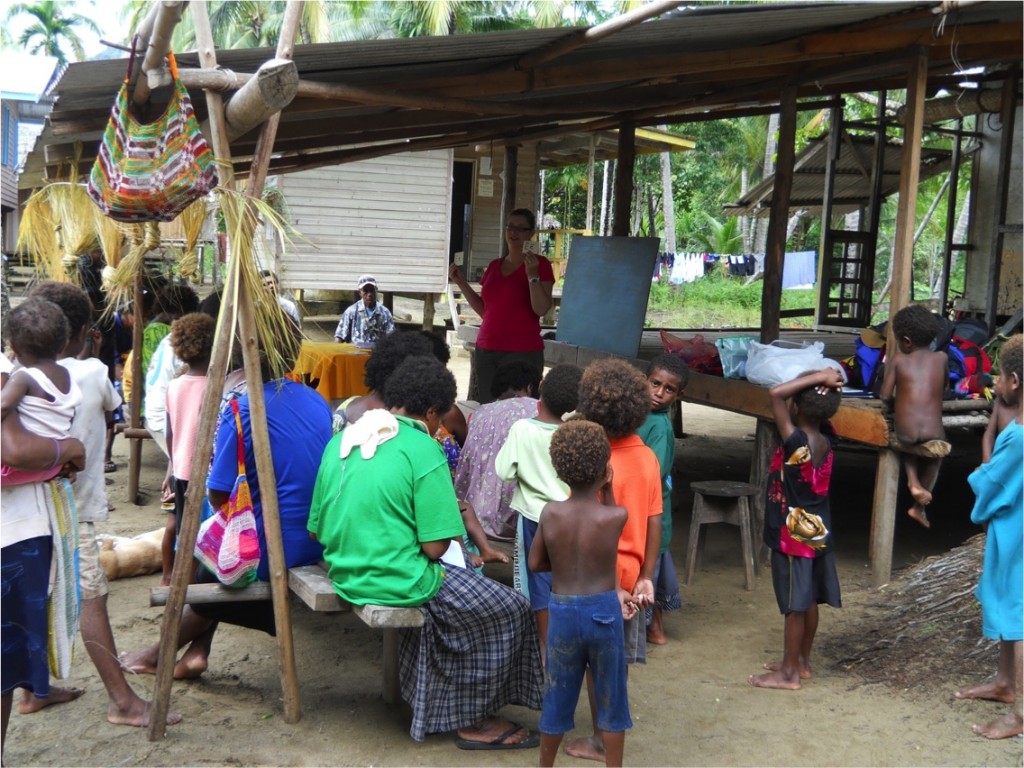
(695, 352)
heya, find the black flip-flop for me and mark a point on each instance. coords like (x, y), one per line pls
(110, 467)
(498, 742)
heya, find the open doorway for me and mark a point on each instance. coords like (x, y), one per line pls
(462, 208)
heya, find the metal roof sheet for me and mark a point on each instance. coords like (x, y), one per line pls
(442, 92)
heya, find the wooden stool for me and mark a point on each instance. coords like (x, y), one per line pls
(721, 501)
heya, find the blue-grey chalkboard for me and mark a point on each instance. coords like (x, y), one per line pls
(604, 299)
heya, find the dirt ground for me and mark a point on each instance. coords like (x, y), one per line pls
(691, 704)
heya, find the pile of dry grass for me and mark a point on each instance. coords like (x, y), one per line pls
(923, 626)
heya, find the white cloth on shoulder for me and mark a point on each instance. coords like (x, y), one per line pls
(372, 429)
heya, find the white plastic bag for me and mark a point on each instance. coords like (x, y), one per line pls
(780, 361)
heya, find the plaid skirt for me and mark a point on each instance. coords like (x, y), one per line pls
(476, 653)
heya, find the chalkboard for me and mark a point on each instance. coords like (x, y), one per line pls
(604, 299)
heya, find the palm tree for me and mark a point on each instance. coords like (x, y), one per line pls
(52, 30)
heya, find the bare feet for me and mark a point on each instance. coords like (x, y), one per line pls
(138, 662)
(922, 496)
(493, 728)
(917, 513)
(775, 666)
(991, 691)
(1001, 728)
(588, 748)
(31, 703)
(775, 679)
(656, 629)
(137, 715)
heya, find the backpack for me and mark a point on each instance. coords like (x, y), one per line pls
(867, 364)
(966, 359)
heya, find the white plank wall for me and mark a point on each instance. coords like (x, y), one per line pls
(387, 216)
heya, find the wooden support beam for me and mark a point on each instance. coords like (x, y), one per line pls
(272, 89)
(208, 419)
(1007, 118)
(623, 190)
(580, 38)
(509, 171)
(910, 165)
(168, 14)
(883, 516)
(138, 380)
(775, 248)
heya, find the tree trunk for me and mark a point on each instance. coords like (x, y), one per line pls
(602, 228)
(770, 147)
(668, 203)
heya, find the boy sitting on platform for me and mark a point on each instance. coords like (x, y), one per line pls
(914, 384)
(577, 541)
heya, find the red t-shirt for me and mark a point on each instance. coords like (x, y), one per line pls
(509, 323)
(636, 483)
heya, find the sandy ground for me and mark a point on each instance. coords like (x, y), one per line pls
(691, 704)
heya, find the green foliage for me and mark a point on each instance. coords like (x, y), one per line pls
(719, 300)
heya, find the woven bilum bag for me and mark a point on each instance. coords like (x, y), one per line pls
(152, 171)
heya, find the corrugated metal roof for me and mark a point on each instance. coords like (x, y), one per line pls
(851, 181)
(442, 92)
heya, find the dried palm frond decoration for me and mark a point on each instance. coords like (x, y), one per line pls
(142, 238)
(244, 217)
(192, 220)
(111, 236)
(57, 227)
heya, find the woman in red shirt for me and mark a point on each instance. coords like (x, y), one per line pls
(515, 292)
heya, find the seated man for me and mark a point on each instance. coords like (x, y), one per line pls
(366, 321)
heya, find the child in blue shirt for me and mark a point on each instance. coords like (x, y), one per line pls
(999, 506)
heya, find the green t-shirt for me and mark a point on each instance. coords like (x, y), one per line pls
(371, 515)
(658, 435)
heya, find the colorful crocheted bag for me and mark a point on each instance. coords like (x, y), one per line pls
(152, 171)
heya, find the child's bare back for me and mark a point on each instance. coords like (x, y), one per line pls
(581, 538)
(919, 383)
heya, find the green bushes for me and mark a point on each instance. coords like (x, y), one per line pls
(719, 300)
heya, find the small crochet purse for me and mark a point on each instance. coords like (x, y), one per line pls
(152, 171)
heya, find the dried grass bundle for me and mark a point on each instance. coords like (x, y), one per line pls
(58, 227)
(111, 236)
(244, 217)
(142, 238)
(192, 220)
(929, 623)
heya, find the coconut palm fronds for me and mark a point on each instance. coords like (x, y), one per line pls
(57, 227)
(37, 235)
(192, 220)
(111, 236)
(244, 217)
(142, 238)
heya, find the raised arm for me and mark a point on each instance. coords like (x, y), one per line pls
(540, 289)
(826, 378)
(456, 276)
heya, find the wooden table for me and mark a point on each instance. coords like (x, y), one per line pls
(334, 369)
(861, 420)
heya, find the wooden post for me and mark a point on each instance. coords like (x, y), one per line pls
(171, 625)
(910, 165)
(1007, 115)
(765, 441)
(135, 407)
(775, 248)
(883, 516)
(623, 190)
(428, 311)
(947, 244)
(160, 22)
(509, 170)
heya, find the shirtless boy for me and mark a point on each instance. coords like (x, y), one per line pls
(577, 540)
(914, 383)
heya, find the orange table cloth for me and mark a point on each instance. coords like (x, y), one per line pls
(336, 369)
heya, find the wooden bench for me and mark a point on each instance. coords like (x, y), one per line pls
(314, 587)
